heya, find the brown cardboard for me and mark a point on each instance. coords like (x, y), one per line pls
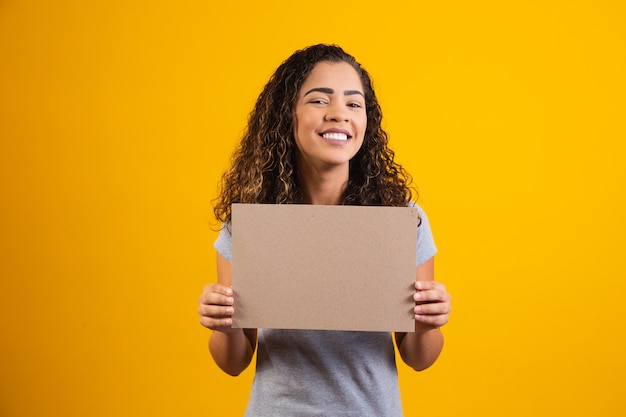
(324, 267)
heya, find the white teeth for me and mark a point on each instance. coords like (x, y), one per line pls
(335, 136)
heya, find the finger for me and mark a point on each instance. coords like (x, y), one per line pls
(222, 289)
(435, 321)
(223, 324)
(431, 296)
(215, 289)
(216, 299)
(429, 285)
(433, 309)
(215, 311)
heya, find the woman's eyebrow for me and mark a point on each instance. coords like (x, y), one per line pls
(326, 90)
(352, 92)
(321, 90)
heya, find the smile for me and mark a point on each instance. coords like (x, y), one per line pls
(335, 136)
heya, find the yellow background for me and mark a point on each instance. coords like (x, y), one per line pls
(117, 118)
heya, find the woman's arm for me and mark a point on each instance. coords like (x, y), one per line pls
(421, 349)
(232, 349)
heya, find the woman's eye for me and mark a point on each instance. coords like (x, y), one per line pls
(318, 101)
(355, 105)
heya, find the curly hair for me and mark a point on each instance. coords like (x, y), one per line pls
(263, 166)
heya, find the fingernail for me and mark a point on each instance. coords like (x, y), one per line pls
(417, 296)
(230, 300)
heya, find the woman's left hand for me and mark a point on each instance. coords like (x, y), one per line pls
(432, 303)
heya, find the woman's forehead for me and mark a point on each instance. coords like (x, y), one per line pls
(328, 74)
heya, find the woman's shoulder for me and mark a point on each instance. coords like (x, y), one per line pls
(224, 243)
(419, 208)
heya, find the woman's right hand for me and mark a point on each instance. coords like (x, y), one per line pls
(216, 308)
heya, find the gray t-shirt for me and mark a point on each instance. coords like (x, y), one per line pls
(307, 373)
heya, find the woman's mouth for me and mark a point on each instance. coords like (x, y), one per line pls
(335, 136)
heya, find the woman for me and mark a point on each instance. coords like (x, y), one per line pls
(315, 137)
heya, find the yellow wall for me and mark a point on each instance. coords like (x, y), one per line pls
(117, 118)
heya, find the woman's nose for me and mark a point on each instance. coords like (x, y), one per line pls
(337, 113)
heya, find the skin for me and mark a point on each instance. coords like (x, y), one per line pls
(330, 100)
(232, 349)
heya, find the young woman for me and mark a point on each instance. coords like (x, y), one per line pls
(315, 137)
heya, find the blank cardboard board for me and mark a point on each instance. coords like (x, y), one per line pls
(316, 267)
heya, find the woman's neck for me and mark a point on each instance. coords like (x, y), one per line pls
(326, 187)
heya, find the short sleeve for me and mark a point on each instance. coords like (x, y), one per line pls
(426, 248)
(224, 243)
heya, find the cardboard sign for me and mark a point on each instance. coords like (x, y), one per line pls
(324, 267)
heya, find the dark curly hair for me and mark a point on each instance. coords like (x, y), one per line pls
(263, 166)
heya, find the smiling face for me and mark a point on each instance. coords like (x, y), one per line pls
(330, 117)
